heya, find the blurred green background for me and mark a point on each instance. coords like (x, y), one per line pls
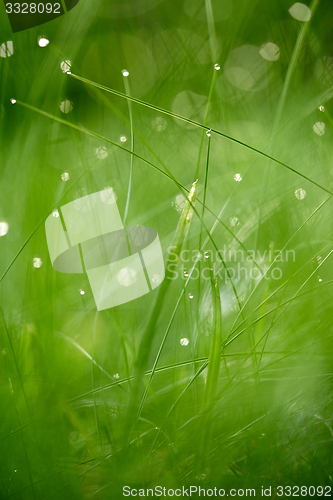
(66, 370)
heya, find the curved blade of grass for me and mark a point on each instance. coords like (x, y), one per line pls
(197, 124)
(146, 342)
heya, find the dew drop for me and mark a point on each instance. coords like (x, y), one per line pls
(43, 42)
(320, 280)
(321, 108)
(156, 279)
(233, 221)
(186, 274)
(6, 49)
(300, 193)
(37, 262)
(206, 255)
(184, 341)
(238, 177)
(123, 138)
(65, 66)
(13, 101)
(190, 295)
(116, 376)
(55, 213)
(82, 292)
(208, 133)
(217, 67)
(65, 176)
(127, 276)
(125, 72)
(101, 153)
(3, 228)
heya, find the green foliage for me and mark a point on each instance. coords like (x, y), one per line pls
(220, 377)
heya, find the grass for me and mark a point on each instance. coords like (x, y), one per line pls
(218, 378)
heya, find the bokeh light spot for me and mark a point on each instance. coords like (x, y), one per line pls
(300, 11)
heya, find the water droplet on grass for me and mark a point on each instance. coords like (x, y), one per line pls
(300, 193)
(3, 228)
(43, 42)
(101, 153)
(217, 67)
(65, 66)
(65, 176)
(184, 341)
(37, 262)
(125, 72)
(238, 177)
(208, 133)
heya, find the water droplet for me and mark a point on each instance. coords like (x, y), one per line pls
(206, 255)
(123, 138)
(190, 295)
(127, 276)
(208, 133)
(65, 66)
(320, 280)
(319, 128)
(101, 153)
(217, 67)
(156, 279)
(3, 228)
(82, 292)
(186, 275)
(15, 470)
(238, 177)
(37, 262)
(13, 101)
(6, 49)
(116, 376)
(321, 108)
(125, 72)
(66, 106)
(300, 193)
(43, 42)
(233, 221)
(184, 342)
(55, 213)
(65, 176)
